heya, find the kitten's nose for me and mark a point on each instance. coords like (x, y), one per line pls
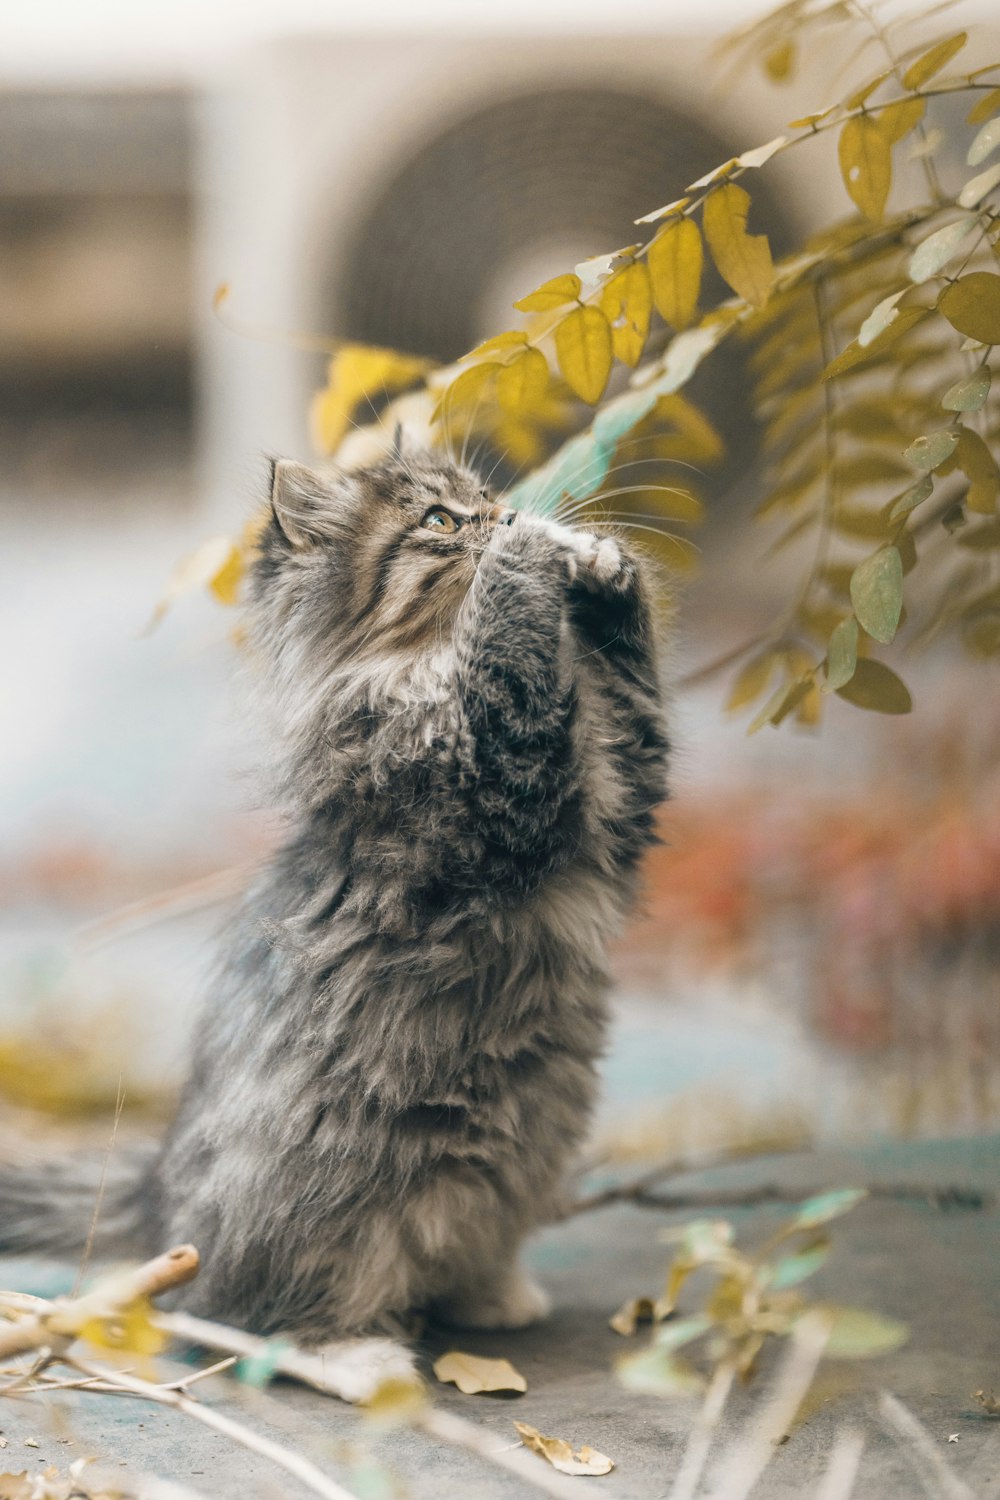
(500, 515)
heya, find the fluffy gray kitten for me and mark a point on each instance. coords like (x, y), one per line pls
(396, 1063)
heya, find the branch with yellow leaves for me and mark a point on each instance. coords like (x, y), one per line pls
(51, 1329)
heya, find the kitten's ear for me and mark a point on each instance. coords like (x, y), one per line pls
(301, 502)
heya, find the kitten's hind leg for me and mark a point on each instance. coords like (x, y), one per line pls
(500, 1298)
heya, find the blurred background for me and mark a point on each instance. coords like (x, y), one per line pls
(819, 948)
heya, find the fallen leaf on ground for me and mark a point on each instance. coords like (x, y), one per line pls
(474, 1375)
(631, 1313)
(560, 1455)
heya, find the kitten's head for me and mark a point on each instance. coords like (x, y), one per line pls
(368, 562)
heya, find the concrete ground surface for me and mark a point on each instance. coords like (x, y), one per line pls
(934, 1268)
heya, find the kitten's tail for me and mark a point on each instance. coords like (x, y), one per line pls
(91, 1198)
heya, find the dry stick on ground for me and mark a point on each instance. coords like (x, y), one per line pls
(55, 1325)
(444, 1426)
(293, 1463)
(51, 1326)
(642, 1189)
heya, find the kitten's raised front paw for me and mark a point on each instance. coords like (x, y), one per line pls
(517, 1305)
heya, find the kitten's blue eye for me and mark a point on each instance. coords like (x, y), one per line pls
(439, 520)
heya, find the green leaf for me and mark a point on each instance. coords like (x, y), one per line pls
(877, 593)
(939, 248)
(969, 394)
(876, 687)
(865, 154)
(857, 1334)
(985, 143)
(617, 417)
(933, 60)
(792, 1269)
(258, 1369)
(675, 262)
(551, 294)
(977, 188)
(654, 1372)
(680, 1331)
(842, 654)
(929, 452)
(584, 351)
(743, 260)
(972, 305)
(911, 498)
(826, 1206)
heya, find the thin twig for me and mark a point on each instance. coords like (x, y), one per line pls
(55, 1325)
(99, 1199)
(947, 1197)
(296, 1464)
(448, 1428)
(683, 1166)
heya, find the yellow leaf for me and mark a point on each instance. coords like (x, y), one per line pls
(752, 681)
(984, 108)
(743, 260)
(972, 305)
(855, 100)
(980, 468)
(865, 153)
(217, 565)
(631, 1313)
(627, 303)
(467, 392)
(675, 264)
(933, 61)
(132, 1329)
(474, 1375)
(551, 294)
(876, 687)
(356, 373)
(779, 62)
(396, 1403)
(856, 356)
(700, 443)
(897, 120)
(507, 340)
(523, 382)
(560, 1455)
(583, 347)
